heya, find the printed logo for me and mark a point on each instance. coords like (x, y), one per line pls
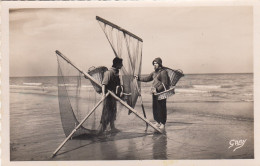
(236, 144)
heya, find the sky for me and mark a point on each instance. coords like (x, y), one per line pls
(216, 39)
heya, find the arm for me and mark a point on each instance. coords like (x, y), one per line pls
(103, 91)
(146, 79)
(105, 82)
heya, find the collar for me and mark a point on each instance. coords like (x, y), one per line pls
(159, 69)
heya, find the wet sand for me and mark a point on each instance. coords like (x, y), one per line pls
(194, 131)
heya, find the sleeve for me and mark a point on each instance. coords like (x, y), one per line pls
(164, 78)
(147, 78)
(106, 79)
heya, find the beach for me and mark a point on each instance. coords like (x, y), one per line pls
(194, 130)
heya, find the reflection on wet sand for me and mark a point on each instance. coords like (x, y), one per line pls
(118, 146)
(160, 147)
(131, 150)
(109, 150)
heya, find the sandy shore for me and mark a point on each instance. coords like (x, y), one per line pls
(194, 131)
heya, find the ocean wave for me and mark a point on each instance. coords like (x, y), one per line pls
(32, 83)
(190, 91)
(248, 94)
(53, 87)
(25, 86)
(68, 85)
(184, 86)
(206, 86)
(86, 86)
(247, 100)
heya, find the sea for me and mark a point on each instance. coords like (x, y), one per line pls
(190, 88)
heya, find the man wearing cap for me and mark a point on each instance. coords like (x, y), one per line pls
(161, 82)
(110, 82)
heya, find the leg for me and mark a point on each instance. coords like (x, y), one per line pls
(155, 109)
(105, 115)
(162, 111)
(113, 111)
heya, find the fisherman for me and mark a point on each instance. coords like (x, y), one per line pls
(161, 82)
(111, 81)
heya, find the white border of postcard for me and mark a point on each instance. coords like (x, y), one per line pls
(81, 4)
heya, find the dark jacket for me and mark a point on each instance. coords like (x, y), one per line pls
(159, 79)
(111, 79)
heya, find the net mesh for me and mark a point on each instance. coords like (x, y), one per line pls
(127, 46)
(77, 97)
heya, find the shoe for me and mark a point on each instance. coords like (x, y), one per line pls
(162, 127)
(156, 124)
(114, 130)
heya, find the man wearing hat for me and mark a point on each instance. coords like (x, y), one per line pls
(161, 82)
(111, 81)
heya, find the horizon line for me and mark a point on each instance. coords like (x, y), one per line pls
(141, 74)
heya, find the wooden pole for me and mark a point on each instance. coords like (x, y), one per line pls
(119, 28)
(112, 94)
(142, 105)
(78, 126)
(135, 112)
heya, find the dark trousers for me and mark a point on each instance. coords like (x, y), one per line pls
(109, 112)
(159, 110)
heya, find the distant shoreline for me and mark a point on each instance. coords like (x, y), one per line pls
(144, 74)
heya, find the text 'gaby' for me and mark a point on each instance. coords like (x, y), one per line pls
(236, 144)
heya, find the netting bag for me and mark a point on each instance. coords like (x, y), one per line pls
(98, 74)
(77, 98)
(128, 47)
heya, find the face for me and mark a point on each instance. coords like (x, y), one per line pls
(155, 65)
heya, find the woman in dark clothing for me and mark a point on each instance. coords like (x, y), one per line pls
(161, 81)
